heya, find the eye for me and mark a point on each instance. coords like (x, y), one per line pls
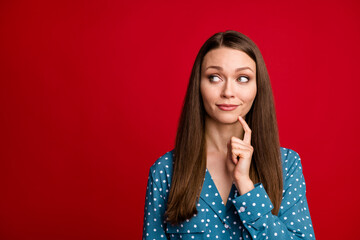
(214, 78)
(243, 79)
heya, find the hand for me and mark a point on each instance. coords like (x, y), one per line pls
(241, 154)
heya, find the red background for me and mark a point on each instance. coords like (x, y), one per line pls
(91, 91)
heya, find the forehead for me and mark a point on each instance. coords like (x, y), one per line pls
(228, 58)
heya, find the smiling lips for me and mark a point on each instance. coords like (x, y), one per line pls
(227, 107)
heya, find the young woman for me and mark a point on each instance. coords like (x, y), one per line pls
(227, 177)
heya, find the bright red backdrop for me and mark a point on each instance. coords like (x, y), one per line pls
(91, 91)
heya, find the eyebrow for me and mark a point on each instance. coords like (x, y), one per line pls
(237, 69)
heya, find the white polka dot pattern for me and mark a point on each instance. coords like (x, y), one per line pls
(243, 217)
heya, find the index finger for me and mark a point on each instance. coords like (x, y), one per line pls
(247, 134)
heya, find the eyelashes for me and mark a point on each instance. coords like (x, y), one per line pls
(211, 78)
(244, 78)
(241, 79)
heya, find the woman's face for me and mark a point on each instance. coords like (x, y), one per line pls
(228, 84)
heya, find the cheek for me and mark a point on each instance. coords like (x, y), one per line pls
(249, 95)
(207, 101)
(206, 94)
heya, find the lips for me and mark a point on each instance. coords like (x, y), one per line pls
(227, 107)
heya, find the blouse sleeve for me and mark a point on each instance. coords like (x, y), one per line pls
(153, 225)
(293, 220)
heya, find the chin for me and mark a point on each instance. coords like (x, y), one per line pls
(228, 119)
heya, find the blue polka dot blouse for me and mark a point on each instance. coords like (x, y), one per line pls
(243, 217)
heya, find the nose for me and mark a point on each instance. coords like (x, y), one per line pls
(227, 91)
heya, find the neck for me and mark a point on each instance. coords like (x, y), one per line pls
(218, 135)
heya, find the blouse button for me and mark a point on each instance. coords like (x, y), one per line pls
(226, 226)
(242, 209)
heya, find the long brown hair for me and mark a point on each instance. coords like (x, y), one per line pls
(190, 147)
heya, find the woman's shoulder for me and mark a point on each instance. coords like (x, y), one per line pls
(164, 162)
(291, 161)
(288, 154)
(161, 170)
